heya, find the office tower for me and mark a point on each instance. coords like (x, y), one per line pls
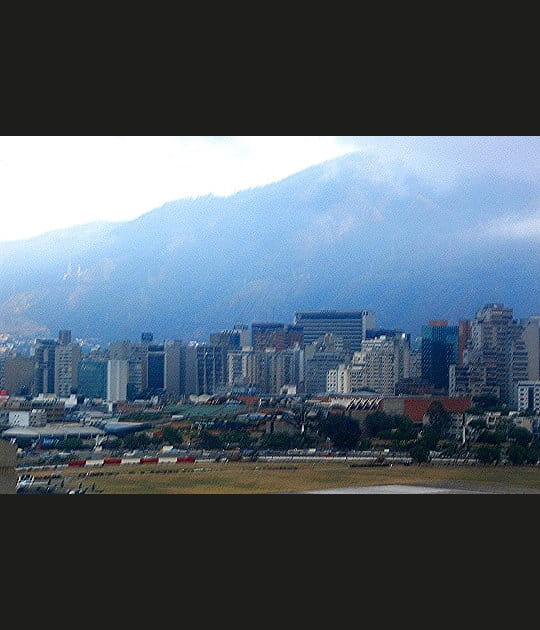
(266, 335)
(496, 358)
(117, 380)
(531, 338)
(349, 325)
(64, 337)
(175, 363)
(137, 356)
(244, 334)
(528, 396)
(381, 363)
(66, 363)
(439, 351)
(92, 378)
(147, 337)
(345, 379)
(415, 364)
(287, 368)
(321, 356)
(206, 369)
(464, 334)
(241, 367)
(16, 374)
(227, 338)
(156, 367)
(275, 335)
(44, 357)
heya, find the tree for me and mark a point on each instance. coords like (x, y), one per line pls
(378, 421)
(239, 437)
(517, 454)
(136, 441)
(520, 435)
(486, 402)
(210, 440)
(488, 454)
(344, 432)
(70, 444)
(420, 452)
(439, 418)
(533, 453)
(488, 436)
(477, 423)
(430, 437)
(172, 436)
(278, 441)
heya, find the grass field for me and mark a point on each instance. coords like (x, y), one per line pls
(261, 477)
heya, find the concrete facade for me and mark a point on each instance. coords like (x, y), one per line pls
(8, 459)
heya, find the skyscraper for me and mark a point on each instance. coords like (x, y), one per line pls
(381, 363)
(66, 361)
(156, 367)
(321, 356)
(137, 356)
(275, 335)
(351, 326)
(439, 351)
(92, 378)
(496, 357)
(64, 337)
(44, 357)
(117, 380)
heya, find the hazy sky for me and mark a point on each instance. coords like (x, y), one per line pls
(55, 182)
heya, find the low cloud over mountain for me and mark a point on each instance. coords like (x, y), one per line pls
(338, 235)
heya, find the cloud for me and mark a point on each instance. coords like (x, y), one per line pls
(54, 182)
(57, 182)
(515, 227)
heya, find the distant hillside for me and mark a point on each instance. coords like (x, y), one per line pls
(337, 235)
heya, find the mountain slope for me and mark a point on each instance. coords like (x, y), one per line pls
(343, 234)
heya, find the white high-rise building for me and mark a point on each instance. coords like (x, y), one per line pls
(117, 380)
(531, 337)
(378, 366)
(66, 362)
(528, 396)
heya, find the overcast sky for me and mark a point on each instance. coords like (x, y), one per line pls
(56, 182)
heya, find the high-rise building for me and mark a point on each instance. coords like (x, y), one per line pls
(117, 380)
(137, 356)
(464, 334)
(241, 367)
(44, 357)
(64, 337)
(321, 356)
(175, 364)
(381, 363)
(156, 367)
(206, 368)
(351, 326)
(496, 358)
(415, 364)
(16, 374)
(531, 338)
(528, 396)
(147, 337)
(275, 335)
(439, 351)
(92, 378)
(66, 361)
(227, 338)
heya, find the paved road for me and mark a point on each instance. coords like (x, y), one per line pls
(392, 489)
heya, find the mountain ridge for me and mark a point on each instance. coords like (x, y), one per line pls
(336, 235)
